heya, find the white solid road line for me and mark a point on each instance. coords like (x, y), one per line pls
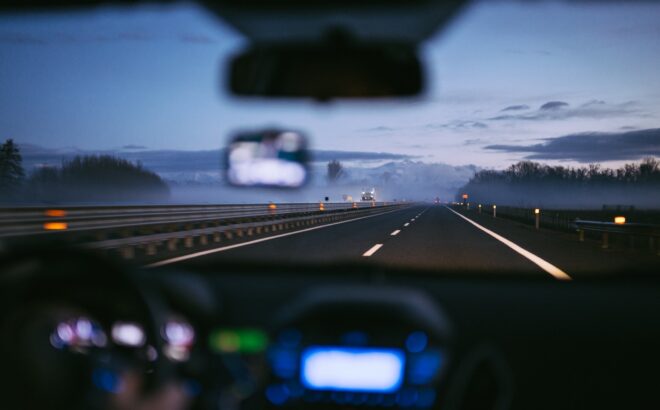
(373, 249)
(543, 264)
(406, 224)
(395, 233)
(238, 245)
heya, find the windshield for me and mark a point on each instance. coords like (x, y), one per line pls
(538, 128)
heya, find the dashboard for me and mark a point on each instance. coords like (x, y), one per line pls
(334, 337)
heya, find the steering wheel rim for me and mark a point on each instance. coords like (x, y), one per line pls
(25, 274)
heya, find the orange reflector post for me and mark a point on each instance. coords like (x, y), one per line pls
(321, 206)
(55, 226)
(619, 220)
(465, 196)
(272, 206)
(55, 213)
(354, 204)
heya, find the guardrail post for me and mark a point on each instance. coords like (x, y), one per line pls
(537, 218)
(151, 249)
(127, 252)
(581, 235)
(606, 240)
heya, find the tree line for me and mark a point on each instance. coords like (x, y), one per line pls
(532, 183)
(89, 178)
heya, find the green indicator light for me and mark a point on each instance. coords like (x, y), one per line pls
(253, 341)
(238, 341)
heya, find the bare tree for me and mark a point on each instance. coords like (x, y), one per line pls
(335, 170)
(11, 169)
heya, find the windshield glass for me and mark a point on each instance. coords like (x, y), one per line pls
(536, 116)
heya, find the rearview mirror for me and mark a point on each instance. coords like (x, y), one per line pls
(269, 158)
(323, 71)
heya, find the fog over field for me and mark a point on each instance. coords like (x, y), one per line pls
(197, 176)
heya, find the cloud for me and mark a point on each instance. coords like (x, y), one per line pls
(20, 38)
(178, 161)
(458, 125)
(592, 146)
(380, 128)
(523, 52)
(594, 102)
(15, 37)
(516, 107)
(553, 105)
(322, 156)
(560, 110)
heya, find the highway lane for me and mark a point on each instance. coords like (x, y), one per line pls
(343, 241)
(428, 237)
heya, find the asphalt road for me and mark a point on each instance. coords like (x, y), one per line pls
(438, 238)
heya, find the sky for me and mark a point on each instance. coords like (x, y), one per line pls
(549, 81)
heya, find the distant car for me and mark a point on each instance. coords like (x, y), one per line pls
(368, 196)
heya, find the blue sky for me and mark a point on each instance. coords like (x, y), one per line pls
(152, 77)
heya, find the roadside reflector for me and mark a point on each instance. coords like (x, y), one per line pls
(537, 211)
(55, 226)
(619, 220)
(56, 213)
(272, 206)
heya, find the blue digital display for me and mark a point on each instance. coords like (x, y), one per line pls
(354, 369)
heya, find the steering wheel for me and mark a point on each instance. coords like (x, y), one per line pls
(80, 331)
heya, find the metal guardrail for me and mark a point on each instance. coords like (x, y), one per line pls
(36, 221)
(567, 220)
(154, 244)
(149, 231)
(632, 230)
(546, 218)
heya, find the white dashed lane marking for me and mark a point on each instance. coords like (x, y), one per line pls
(373, 249)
